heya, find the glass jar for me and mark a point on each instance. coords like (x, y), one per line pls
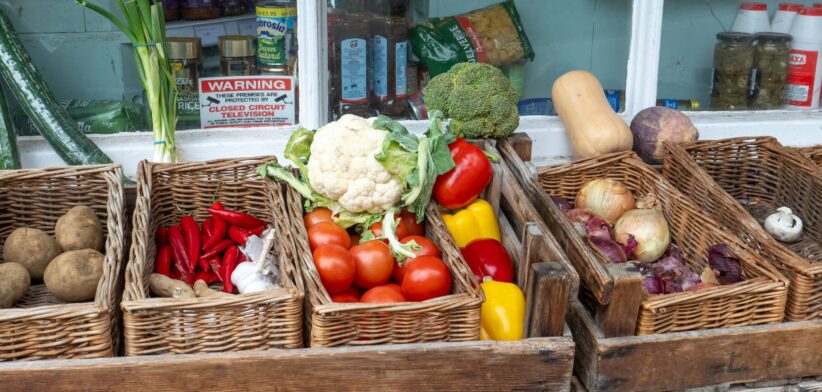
(389, 46)
(185, 58)
(235, 7)
(733, 65)
(200, 9)
(276, 33)
(771, 55)
(237, 55)
(171, 10)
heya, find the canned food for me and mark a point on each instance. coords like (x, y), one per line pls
(276, 39)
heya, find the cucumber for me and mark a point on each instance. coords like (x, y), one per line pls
(27, 85)
(9, 157)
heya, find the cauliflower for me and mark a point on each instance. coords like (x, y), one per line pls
(343, 168)
(361, 169)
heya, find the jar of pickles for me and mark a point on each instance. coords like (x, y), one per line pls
(771, 54)
(733, 66)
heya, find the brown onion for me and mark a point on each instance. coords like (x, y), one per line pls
(605, 197)
(648, 226)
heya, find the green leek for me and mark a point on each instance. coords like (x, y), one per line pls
(144, 26)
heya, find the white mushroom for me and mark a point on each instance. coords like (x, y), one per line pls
(784, 225)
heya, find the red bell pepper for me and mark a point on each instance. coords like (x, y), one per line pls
(237, 218)
(487, 257)
(180, 254)
(163, 263)
(230, 260)
(461, 185)
(191, 232)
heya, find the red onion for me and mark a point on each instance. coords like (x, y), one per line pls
(563, 204)
(589, 224)
(610, 250)
(726, 267)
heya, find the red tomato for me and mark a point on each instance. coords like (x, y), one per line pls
(381, 295)
(428, 249)
(394, 286)
(399, 272)
(374, 263)
(401, 231)
(354, 290)
(426, 277)
(344, 297)
(326, 233)
(409, 219)
(335, 266)
(319, 215)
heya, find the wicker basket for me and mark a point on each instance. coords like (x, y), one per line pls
(451, 318)
(40, 326)
(258, 321)
(814, 153)
(757, 300)
(754, 177)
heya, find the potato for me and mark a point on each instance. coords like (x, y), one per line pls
(32, 248)
(79, 229)
(163, 286)
(73, 276)
(14, 282)
(202, 290)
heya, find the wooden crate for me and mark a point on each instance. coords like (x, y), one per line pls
(681, 360)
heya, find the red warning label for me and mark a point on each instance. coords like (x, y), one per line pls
(246, 101)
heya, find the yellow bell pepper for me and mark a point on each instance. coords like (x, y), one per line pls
(476, 221)
(503, 312)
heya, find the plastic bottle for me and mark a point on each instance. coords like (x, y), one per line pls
(751, 18)
(783, 19)
(805, 67)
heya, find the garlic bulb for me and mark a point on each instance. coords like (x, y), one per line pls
(783, 225)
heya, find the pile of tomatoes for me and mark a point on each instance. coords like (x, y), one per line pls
(354, 271)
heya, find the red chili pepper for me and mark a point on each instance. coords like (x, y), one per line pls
(238, 234)
(175, 273)
(217, 206)
(258, 231)
(208, 226)
(230, 259)
(487, 257)
(221, 246)
(163, 263)
(161, 237)
(191, 232)
(237, 218)
(207, 276)
(203, 235)
(461, 185)
(217, 235)
(204, 265)
(178, 250)
(216, 267)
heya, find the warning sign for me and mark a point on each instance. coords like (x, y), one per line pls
(246, 101)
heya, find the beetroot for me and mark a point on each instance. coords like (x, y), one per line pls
(653, 125)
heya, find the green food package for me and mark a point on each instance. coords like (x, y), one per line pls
(92, 116)
(492, 35)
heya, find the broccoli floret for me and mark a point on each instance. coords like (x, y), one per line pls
(480, 101)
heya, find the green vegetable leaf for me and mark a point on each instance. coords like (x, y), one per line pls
(440, 154)
(298, 149)
(397, 133)
(347, 219)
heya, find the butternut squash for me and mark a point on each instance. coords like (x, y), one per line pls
(591, 124)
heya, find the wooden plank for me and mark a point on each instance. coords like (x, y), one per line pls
(619, 317)
(549, 299)
(532, 364)
(682, 360)
(586, 338)
(522, 144)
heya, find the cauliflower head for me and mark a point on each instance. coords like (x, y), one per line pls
(343, 168)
